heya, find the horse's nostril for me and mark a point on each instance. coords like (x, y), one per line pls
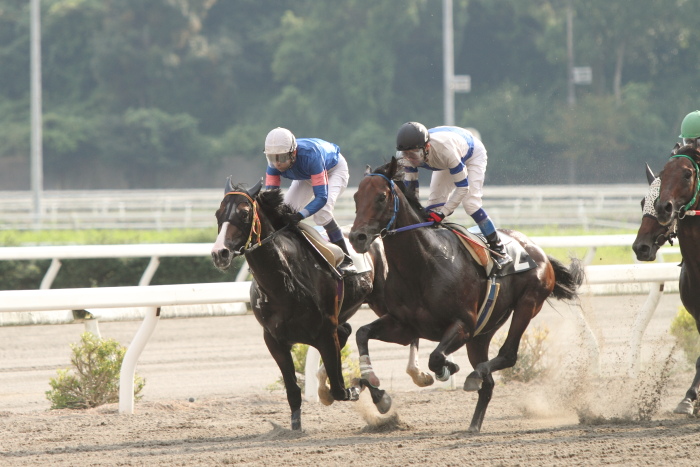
(361, 237)
(669, 207)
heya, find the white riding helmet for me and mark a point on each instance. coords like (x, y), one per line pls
(280, 141)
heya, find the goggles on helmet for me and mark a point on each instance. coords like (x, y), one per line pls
(414, 156)
(279, 158)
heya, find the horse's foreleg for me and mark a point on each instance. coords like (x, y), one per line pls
(420, 378)
(478, 351)
(687, 405)
(385, 329)
(283, 356)
(329, 348)
(454, 337)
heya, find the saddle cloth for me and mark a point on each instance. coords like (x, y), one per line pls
(475, 243)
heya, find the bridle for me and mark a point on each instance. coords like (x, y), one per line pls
(388, 229)
(254, 224)
(686, 210)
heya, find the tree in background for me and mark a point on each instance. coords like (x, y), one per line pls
(166, 93)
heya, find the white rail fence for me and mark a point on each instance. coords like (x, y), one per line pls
(154, 298)
(512, 206)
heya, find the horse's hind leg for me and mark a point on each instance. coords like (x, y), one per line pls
(420, 378)
(478, 351)
(283, 356)
(526, 309)
(687, 405)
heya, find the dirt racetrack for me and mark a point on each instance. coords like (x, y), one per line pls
(570, 418)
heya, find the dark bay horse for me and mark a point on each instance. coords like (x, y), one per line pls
(651, 234)
(679, 202)
(434, 288)
(294, 297)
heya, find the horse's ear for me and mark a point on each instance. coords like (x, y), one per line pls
(253, 192)
(650, 175)
(368, 169)
(229, 186)
(676, 148)
(393, 165)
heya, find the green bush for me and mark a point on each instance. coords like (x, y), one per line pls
(684, 329)
(96, 363)
(530, 364)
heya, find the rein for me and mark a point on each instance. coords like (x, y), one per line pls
(387, 230)
(255, 228)
(685, 210)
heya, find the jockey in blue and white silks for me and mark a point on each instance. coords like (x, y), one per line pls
(458, 160)
(319, 174)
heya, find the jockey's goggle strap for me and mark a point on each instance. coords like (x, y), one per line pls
(255, 228)
(685, 210)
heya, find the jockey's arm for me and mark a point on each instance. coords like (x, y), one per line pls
(319, 182)
(459, 177)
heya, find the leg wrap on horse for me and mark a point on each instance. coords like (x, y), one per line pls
(367, 372)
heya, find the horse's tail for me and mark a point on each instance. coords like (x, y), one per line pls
(567, 280)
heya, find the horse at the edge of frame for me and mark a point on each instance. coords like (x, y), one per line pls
(438, 290)
(677, 206)
(297, 294)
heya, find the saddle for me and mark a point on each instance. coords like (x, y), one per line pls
(330, 252)
(475, 242)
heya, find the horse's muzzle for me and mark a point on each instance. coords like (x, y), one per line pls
(222, 258)
(360, 240)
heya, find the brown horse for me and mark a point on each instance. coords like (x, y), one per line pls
(295, 295)
(679, 202)
(434, 287)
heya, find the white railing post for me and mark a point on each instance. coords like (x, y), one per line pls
(641, 322)
(128, 370)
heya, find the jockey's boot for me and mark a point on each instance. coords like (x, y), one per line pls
(501, 258)
(346, 268)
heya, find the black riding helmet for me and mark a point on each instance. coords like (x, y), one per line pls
(412, 135)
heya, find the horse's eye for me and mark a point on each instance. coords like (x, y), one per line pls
(382, 198)
(688, 174)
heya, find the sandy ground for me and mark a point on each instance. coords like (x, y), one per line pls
(569, 418)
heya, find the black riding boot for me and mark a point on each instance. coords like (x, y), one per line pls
(501, 257)
(346, 268)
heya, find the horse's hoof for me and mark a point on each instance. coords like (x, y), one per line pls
(473, 429)
(422, 379)
(472, 383)
(384, 403)
(296, 420)
(685, 407)
(325, 397)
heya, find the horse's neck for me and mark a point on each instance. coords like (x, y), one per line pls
(689, 239)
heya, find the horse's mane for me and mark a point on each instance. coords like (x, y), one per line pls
(687, 150)
(393, 171)
(272, 204)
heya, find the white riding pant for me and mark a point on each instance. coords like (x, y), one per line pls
(301, 192)
(442, 184)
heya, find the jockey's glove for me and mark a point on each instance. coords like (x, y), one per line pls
(435, 216)
(295, 218)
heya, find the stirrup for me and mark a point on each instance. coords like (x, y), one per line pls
(503, 260)
(347, 267)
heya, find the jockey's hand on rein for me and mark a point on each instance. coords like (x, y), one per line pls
(295, 218)
(435, 216)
